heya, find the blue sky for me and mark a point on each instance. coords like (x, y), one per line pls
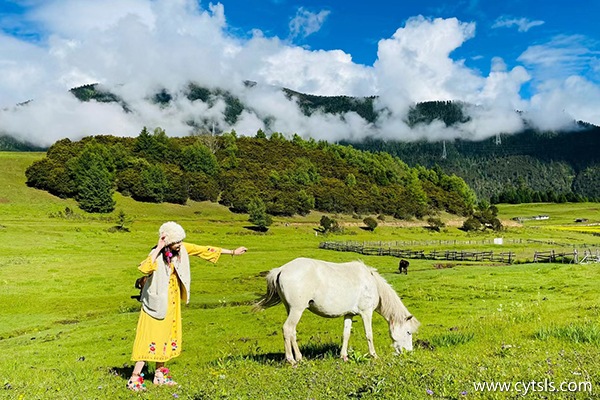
(539, 57)
(504, 28)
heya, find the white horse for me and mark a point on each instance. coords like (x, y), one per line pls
(333, 290)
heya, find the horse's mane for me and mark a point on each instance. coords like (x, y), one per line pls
(390, 306)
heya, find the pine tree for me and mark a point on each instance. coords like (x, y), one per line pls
(94, 177)
(199, 158)
(154, 184)
(257, 214)
(95, 189)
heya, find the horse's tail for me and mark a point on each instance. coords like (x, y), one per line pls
(271, 298)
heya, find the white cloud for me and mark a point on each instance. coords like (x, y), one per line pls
(77, 18)
(136, 47)
(305, 23)
(558, 103)
(523, 24)
(415, 64)
(23, 66)
(54, 116)
(501, 88)
(561, 57)
(326, 73)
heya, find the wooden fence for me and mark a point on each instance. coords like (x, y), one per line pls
(393, 249)
(567, 257)
(448, 255)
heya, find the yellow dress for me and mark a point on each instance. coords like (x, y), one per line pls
(160, 339)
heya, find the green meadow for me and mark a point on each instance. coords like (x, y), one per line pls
(67, 320)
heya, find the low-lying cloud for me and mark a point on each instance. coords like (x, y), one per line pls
(136, 47)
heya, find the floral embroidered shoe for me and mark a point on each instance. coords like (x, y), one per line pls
(136, 383)
(163, 377)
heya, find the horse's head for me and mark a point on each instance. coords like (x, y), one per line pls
(401, 333)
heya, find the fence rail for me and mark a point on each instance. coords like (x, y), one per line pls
(505, 241)
(455, 255)
(569, 258)
(394, 249)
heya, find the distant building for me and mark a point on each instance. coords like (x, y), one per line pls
(535, 217)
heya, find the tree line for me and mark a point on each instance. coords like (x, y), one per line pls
(527, 166)
(247, 174)
(530, 166)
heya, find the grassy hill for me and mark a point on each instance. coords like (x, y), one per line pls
(68, 323)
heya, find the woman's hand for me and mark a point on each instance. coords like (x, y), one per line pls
(159, 246)
(239, 251)
(161, 242)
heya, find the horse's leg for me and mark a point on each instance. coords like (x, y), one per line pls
(294, 342)
(289, 335)
(347, 329)
(367, 318)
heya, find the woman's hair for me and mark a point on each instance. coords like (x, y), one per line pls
(172, 231)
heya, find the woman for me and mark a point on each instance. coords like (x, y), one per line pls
(158, 336)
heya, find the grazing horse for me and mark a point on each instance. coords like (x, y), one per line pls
(403, 267)
(333, 290)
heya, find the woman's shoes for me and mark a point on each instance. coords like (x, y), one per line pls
(162, 377)
(136, 383)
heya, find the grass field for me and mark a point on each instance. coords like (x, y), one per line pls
(67, 323)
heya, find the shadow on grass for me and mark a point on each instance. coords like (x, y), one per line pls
(126, 370)
(309, 351)
(367, 229)
(322, 350)
(257, 229)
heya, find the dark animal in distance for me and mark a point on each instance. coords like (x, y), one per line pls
(403, 267)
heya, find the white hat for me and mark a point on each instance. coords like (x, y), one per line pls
(172, 231)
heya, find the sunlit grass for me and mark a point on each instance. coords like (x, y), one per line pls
(595, 229)
(68, 322)
(587, 332)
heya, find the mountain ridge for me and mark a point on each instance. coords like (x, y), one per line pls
(565, 160)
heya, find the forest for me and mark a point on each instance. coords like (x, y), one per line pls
(286, 177)
(526, 167)
(529, 166)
